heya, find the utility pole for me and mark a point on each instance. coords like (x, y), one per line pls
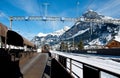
(91, 30)
(77, 8)
(11, 23)
(46, 7)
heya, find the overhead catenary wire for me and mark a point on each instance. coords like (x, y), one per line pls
(45, 8)
(78, 8)
(39, 7)
(88, 7)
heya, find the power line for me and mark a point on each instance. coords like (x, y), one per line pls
(88, 5)
(2, 14)
(78, 8)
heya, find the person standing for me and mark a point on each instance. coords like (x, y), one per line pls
(46, 49)
(47, 72)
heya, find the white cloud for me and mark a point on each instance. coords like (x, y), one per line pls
(27, 35)
(3, 15)
(54, 25)
(111, 7)
(106, 7)
(59, 25)
(29, 6)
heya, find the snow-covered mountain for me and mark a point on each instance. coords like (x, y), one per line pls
(92, 33)
(56, 33)
(41, 35)
(50, 38)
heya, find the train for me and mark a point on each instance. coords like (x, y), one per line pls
(13, 47)
(10, 39)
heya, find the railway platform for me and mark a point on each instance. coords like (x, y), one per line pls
(34, 67)
(40, 65)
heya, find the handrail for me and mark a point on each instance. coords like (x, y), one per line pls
(73, 73)
(76, 65)
(58, 70)
(88, 64)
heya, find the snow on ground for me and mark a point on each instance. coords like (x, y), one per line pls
(80, 32)
(97, 61)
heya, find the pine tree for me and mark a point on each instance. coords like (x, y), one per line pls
(80, 45)
(63, 46)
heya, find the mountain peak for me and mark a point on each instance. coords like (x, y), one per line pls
(66, 28)
(91, 14)
(41, 34)
(90, 10)
(61, 31)
(56, 33)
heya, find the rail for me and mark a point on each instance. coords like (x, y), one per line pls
(81, 67)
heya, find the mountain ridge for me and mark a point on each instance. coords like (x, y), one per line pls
(90, 33)
(56, 33)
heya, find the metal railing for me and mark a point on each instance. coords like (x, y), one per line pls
(88, 70)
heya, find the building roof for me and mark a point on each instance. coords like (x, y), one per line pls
(117, 38)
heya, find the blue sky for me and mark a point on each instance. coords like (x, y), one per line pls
(59, 8)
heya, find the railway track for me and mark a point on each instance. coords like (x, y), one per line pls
(97, 56)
